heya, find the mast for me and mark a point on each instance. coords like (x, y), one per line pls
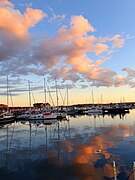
(134, 169)
(46, 142)
(94, 124)
(30, 144)
(58, 141)
(6, 157)
(101, 99)
(67, 97)
(7, 94)
(57, 95)
(29, 95)
(45, 91)
(92, 98)
(114, 169)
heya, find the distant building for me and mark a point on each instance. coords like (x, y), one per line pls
(3, 107)
(41, 105)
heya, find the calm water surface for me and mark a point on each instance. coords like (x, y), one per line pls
(82, 147)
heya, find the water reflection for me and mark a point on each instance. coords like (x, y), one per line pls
(80, 148)
(120, 115)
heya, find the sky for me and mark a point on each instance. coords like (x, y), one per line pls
(85, 46)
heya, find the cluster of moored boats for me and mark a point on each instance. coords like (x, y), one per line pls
(40, 115)
(113, 109)
(30, 114)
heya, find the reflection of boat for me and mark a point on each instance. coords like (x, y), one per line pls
(33, 134)
(45, 122)
(115, 110)
(5, 123)
(7, 136)
(61, 115)
(112, 115)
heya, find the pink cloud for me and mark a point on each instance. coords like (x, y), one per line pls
(120, 81)
(72, 45)
(131, 72)
(99, 48)
(102, 77)
(12, 21)
(15, 38)
(6, 3)
(118, 41)
(65, 73)
(80, 26)
(101, 61)
(65, 55)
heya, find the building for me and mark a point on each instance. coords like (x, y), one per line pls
(3, 107)
(41, 105)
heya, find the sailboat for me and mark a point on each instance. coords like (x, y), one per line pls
(7, 116)
(25, 115)
(60, 114)
(41, 115)
(94, 109)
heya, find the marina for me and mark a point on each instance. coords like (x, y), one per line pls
(67, 90)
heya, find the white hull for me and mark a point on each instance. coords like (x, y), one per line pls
(22, 117)
(94, 111)
(42, 117)
(6, 117)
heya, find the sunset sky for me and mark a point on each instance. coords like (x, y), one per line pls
(85, 45)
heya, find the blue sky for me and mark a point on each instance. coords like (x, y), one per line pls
(85, 45)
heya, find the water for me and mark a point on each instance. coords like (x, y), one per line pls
(83, 147)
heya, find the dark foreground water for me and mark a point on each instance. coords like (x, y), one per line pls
(81, 148)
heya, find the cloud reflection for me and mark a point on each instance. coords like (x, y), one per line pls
(79, 154)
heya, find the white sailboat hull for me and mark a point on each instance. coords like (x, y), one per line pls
(42, 117)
